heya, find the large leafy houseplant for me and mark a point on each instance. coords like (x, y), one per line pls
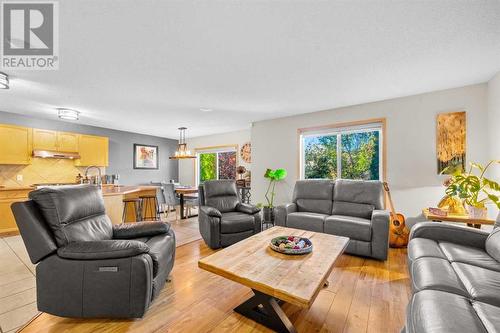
(476, 191)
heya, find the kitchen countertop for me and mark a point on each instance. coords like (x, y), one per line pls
(16, 188)
(122, 190)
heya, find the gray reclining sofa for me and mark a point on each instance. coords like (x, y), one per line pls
(88, 267)
(350, 208)
(455, 273)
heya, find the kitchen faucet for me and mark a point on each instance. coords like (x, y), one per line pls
(99, 179)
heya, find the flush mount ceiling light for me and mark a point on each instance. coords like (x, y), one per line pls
(68, 114)
(182, 151)
(4, 81)
(205, 110)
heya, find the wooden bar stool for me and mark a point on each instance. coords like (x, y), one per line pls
(136, 205)
(149, 207)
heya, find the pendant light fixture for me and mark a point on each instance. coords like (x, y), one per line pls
(182, 151)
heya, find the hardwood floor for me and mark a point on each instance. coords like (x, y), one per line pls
(363, 296)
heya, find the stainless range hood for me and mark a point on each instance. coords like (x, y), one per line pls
(55, 154)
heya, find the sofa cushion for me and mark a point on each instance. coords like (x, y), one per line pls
(489, 315)
(468, 255)
(313, 195)
(493, 244)
(423, 247)
(349, 226)
(74, 213)
(436, 274)
(433, 311)
(306, 221)
(359, 191)
(234, 222)
(221, 194)
(352, 209)
(482, 284)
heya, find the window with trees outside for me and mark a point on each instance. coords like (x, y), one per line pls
(216, 164)
(353, 152)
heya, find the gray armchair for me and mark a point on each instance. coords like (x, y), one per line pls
(223, 219)
(88, 267)
(349, 208)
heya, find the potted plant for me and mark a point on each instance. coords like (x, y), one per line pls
(274, 176)
(475, 190)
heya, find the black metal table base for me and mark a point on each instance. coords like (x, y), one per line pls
(266, 310)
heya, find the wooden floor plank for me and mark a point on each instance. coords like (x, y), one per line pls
(364, 295)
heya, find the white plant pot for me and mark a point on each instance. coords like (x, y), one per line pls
(477, 213)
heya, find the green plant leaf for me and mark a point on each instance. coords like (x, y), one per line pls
(478, 166)
(280, 174)
(269, 173)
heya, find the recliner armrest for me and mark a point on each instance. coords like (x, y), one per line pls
(210, 211)
(139, 229)
(247, 208)
(380, 234)
(105, 249)
(457, 234)
(281, 212)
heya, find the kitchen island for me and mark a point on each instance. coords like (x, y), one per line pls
(114, 195)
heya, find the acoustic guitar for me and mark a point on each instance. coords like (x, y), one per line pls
(398, 232)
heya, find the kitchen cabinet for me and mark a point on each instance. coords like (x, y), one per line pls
(93, 150)
(55, 141)
(15, 144)
(67, 142)
(8, 224)
(44, 139)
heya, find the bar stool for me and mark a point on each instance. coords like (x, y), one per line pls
(136, 204)
(149, 205)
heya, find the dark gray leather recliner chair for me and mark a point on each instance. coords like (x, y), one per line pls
(455, 273)
(88, 267)
(349, 208)
(223, 219)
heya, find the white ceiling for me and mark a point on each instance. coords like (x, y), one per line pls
(148, 66)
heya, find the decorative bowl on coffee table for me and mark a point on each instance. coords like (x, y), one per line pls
(291, 245)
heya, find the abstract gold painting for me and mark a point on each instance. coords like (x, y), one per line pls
(451, 142)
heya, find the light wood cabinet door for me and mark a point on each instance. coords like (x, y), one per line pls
(15, 144)
(93, 150)
(44, 139)
(67, 142)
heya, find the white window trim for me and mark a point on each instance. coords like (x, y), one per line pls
(338, 131)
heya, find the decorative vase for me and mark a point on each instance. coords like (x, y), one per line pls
(268, 214)
(477, 212)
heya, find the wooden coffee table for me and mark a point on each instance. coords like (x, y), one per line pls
(275, 277)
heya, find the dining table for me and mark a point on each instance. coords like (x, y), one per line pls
(182, 191)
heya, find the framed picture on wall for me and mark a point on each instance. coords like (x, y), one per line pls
(145, 156)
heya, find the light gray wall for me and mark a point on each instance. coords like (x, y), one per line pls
(411, 143)
(494, 123)
(120, 148)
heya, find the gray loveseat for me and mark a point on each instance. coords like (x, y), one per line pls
(88, 267)
(350, 208)
(455, 273)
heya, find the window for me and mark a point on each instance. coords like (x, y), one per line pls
(216, 163)
(351, 152)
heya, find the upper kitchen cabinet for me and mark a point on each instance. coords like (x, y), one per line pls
(44, 139)
(67, 142)
(15, 144)
(93, 150)
(55, 141)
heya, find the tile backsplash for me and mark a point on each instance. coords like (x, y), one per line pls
(41, 170)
